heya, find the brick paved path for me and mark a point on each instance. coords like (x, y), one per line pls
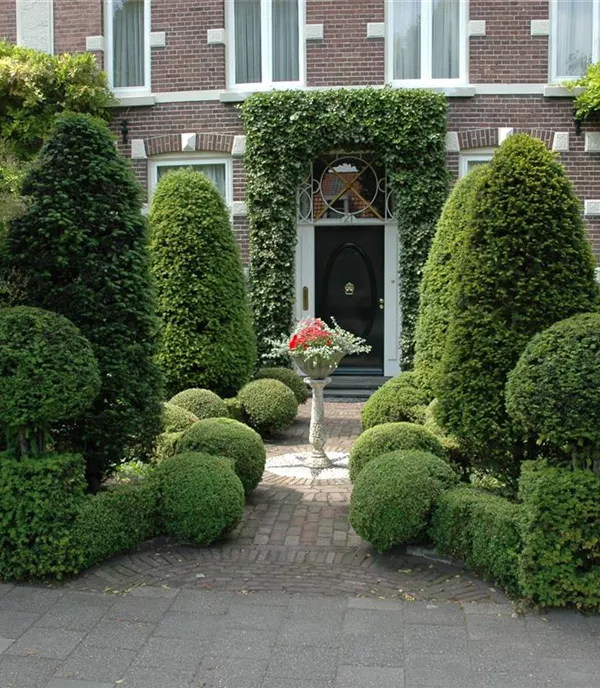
(294, 537)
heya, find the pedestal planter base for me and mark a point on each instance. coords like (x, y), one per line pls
(300, 466)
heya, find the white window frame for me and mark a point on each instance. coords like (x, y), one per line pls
(553, 58)
(109, 52)
(478, 155)
(426, 46)
(266, 48)
(191, 160)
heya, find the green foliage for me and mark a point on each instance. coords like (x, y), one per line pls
(399, 399)
(269, 406)
(40, 499)
(287, 130)
(437, 288)
(393, 496)
(229, 438)
(82, 247)
(455, 452)
(587, 102)
(166, 446)
(202, 403)
(527, 263)
(482, 530)
(235, 409)
(554, 390)
(289, 378)
(208, 340)
(177, 418)
(12, 174)
(48, 373)
(389, 437)
(200, 498)
(36, 86)
(114, 520)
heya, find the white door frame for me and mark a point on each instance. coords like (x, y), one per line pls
(305, 279)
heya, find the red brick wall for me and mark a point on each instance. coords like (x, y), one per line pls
(73, 21)
(8, 20)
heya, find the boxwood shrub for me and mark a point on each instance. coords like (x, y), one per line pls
(176, 418)
(202, 403)
(398, 400)
(232, 439)
(390, 437)
(269, 406)
(289, 378)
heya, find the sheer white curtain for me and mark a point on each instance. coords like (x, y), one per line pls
(574, 34)
(407, 39)
(215, 172)
(446, 39)
(128, 43)
(247, 42)
(286, 62)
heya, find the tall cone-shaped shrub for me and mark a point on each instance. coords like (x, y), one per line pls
(208, 340)
(81, 246)
(438, 284)
(527, 263)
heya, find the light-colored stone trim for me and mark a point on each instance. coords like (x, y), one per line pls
(540, 27)
(94, 43)
(138, 149)
(239, 146)
(188, 142)
(145, 209)
(158, 39)
(314, 32)
(376, 30)
(561, 141)
(597, 274)
(216, 36)
(592, 207)
(504, 133)
(35, 24)
(555, 91)
(238, 208)
(452, 144)
(477, 27)
(592, 142)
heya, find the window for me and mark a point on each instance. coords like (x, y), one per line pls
(265, 42)
(427, 40)
(574, 37)
(470, 160)
(128, 45)
(218, 170)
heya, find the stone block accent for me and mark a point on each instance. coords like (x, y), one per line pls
(215, 36)
(504, 133)
(477, 27)
(540, 27)
(138, 149)
(158, 39)
(592, 142)
(188, 142)
(592, 207)
(94, 43)
(238, 208)
(239, 146)
(561, 141)
(376, 30)
(313, 32)
(452, 143)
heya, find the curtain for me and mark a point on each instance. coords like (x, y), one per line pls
(573, 43)
(128, 43)
(216, 173)
(247, 42)
(446, 39)
(286, 65)
(407, 39)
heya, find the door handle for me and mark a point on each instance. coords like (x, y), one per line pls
(381, 304)
(305, 298)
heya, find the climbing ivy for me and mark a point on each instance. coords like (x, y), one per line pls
(287, 130)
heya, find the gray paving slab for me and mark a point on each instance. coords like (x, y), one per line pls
(145, 609)
(73, 683)
(184, 625)
(90, 663)
(26, 672)
(310, 662)
(172, 654)
(126, 635)
(73, 616)
(430, 639)
(249, 643)
(5, 643)
(30, 599)
(205, 601)
(266, 618)
(443, 614)
(15, 623)
(153, 591)
(439, 670)
(369, 677)
(46, 642)
(370, 621)
(142, 677)
(238, 672)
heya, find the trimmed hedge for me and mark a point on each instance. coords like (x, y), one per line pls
(482, 529)
(289, 378)
(208, 340)
(202, 403)
(176, 418)
(393, 496)
(114, 520)
(269, 406)
(559, 564)
(398, 400)
(554, 390)
(527, 264)
(234, 409)
(166, 446)
(40, 500)
(389, 437)
(229, 438)
(200, 498)
(456, 454)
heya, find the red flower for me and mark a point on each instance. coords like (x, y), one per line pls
(293, 342)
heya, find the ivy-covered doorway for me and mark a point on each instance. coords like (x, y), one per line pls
(286, 131)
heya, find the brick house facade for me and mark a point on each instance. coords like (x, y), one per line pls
(186, 112)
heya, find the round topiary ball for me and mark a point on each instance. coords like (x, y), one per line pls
(201, 402)
(289, 378)
(393, 497)
(554, 390)
(48, 371)
(269, 406)
(200, 497)
(389, 437)
(398, 400)
(177, 419)
(229, 438)
(165, 446)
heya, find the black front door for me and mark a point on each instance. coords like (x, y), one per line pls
(349, 287)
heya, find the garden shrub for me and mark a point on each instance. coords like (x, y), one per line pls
(208, 340)
(554, 390)
(526, 264)
(456, 454)
(81, 244)
(202, 403)
(229, 438)
(398, 400)
(234, 409)
(48, 373)
(393, 496)
(289, 378)
(166, 446)
(200, 498)
(389, 437)
(482, 529)
(40, 499)
(114, 520)
(437, 287)
(559, 564)
(268, 405)
(177, 418)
